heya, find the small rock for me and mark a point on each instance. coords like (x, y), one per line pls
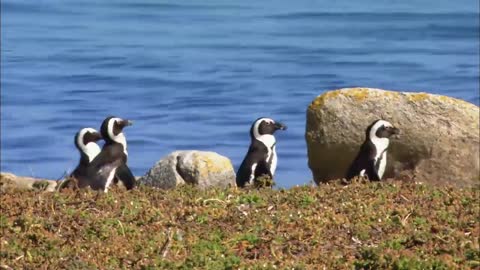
(438, 141)
(11, 181)
(202, 169)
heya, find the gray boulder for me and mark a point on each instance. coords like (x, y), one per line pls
(202, 169)
(438, 141)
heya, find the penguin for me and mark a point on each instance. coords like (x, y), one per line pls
(111, 162)
(371, 160)
(261, 158)
(85, 141)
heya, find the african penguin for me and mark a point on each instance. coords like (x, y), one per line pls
(371, 160)
(85, 141)
(261, 157)
(111, 162)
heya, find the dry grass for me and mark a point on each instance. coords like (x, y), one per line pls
(362, 225)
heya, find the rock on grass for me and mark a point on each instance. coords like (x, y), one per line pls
(10, 181)
(199, 168)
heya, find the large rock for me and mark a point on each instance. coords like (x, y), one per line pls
(9, 181)
(203, 169)
(438, 142)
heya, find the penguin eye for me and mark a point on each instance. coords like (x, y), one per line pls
(115, 124)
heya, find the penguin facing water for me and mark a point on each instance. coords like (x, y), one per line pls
(85, 141)
(371, 160)
(261, 158)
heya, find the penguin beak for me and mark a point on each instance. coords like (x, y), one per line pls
(97, 136)
(394, 131)
(126, 123)
(280, 126)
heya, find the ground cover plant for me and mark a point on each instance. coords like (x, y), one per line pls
(388, 225)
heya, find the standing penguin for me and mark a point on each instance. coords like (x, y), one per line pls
(261, 158)
(111, 162)
(112, 132)
(371, 160)
(85, 141)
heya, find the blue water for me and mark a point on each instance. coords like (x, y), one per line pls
(195, 74)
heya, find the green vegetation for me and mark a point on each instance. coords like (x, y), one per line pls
(390, 225)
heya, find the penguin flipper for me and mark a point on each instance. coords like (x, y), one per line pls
(124, 174)
(263, 169)
(263, 175)
(103, 177)
(372, 171)
(247, 168)
(352, 172)
(244, 172)
(101, 167)
(355, 168)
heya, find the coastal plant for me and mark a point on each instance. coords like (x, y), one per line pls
(388, 225)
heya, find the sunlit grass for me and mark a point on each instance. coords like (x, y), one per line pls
(361, 225)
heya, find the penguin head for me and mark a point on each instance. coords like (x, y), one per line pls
(85, 141)
(265, 126)
(381, 130)
(112, 130)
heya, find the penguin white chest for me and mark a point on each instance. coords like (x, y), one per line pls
(92, 150)
(271, 158)
(274, 160)
(109, 181)
(382, 165)
(381, 145)
(252, 173)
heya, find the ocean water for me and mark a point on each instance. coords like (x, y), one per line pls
(195, 74)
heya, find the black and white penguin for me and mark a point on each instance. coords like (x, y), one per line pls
(112, 131)
(111, 162)
(85, 141)
(261, 158)
(371, 160)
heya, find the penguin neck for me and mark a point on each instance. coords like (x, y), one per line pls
(267, 139)
(90, 150)
(381, 145)
(120, 139)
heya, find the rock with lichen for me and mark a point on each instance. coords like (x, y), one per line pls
(10, 181)
(438, 141)
(199, 168)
